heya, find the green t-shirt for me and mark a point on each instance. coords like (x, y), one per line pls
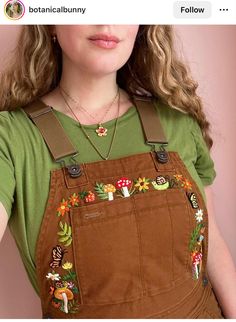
(25, 163)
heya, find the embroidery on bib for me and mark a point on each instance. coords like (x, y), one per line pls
(105, 191)
(63, 208)
(124, 187)
(184, 183)
(62, 289)
(161, 183)
(57, 256)
(65, 234)
(195, 245)
(74, 200)
(193, 200)
(142, 184)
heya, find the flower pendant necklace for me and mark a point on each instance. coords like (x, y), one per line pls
(88, 137)
(101, 130)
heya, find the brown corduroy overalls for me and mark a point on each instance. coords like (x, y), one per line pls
(123, 238)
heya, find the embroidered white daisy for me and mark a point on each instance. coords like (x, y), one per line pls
(53, 276)
(199, 215)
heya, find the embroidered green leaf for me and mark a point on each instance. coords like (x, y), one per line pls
(63, 239)
(73, 307)
(61, 233)
(99, 188)
(83, 194)
(194, 236)
(70, 276)
(75, 290)
(65, 228)
(69, 241)
(65, 234)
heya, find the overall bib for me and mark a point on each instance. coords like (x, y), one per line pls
(123, 238)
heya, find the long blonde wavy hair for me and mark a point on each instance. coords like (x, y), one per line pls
(153, 67)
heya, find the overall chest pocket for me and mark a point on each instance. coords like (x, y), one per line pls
(164, 223)
(106, 251)
(128, 247)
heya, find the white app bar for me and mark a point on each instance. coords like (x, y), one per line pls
(118, 12)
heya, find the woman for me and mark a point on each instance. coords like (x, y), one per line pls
(121, 226)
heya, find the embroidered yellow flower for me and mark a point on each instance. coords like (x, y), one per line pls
(67, 265)
(142, 184)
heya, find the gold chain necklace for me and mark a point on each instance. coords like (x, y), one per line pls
(88, 137)
(101, 130)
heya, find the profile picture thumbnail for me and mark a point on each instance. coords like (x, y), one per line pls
(14, 9)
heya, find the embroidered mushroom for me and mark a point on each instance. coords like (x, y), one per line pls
(123, 184)
(64, 294)
(110, 189)
(197, 257)
(196, 260)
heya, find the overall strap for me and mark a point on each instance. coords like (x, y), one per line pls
(51, 129)
(150, 121)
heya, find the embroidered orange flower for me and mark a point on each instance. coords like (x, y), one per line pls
(63, 208)
(74, 200)
(186, 185)
(178, 177)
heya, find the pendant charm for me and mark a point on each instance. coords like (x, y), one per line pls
(101, 130)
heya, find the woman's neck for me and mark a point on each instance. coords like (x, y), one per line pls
(93, 93)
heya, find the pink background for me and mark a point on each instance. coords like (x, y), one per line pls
(211, 53)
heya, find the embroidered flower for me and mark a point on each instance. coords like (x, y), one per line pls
(178, 177)
(67, 265)
(53, 276)
(199, 215)
(74, 200)
(70, 285)
(63, 208)
(142, 184)
(186, 184)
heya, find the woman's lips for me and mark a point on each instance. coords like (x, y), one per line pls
(104, 41)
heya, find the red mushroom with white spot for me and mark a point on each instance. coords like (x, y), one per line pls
(123, 184)
(196, 260)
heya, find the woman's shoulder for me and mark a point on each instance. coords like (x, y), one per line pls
(174, 118)
(12, 116)
(14, 125)
(13, 119)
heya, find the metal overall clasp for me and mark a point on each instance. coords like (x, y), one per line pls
(161, 154)
(74, 169)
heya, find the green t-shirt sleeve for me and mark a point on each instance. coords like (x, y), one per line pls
(204, 164)
(7, 177)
